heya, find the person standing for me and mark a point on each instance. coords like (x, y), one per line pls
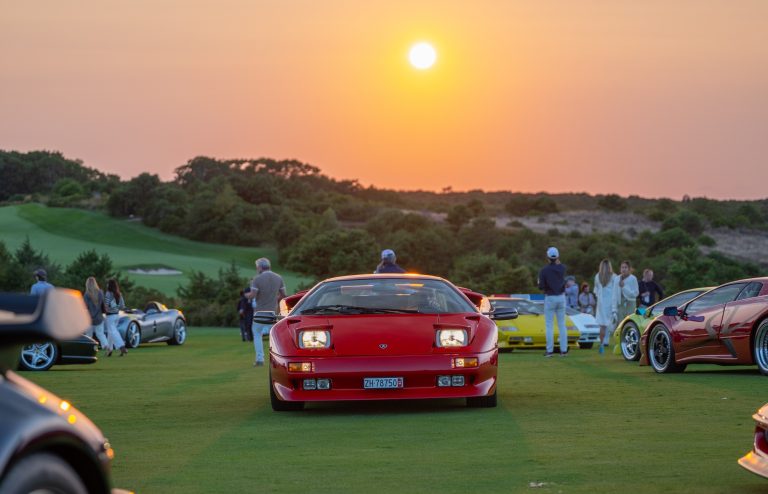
(388, 263)
(628, 291)
(267, 290)
(587, 300)
(607, 294)
(245, 311)
(41, 283)
(114, 303)
(571, 293)
(552, 282)
(649, 289)
(94, 301)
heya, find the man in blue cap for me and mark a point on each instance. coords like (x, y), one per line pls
(388, 264)
(552, 281)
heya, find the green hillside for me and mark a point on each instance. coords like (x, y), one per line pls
(64, 233)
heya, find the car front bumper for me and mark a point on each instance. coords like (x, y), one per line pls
(756, 461)
(419, 375)
(511, 339)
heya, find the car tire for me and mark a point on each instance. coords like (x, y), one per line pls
(179, 335)
(629, 341)
(483, 401)
(586, 345)
(43, 472)
(279, 405)
(760, 347)
(661, 352)
(132, 335)
(39, 356)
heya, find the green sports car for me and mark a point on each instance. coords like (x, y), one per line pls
(627, 333)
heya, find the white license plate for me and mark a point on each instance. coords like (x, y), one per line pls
(382, 382)
(528, 339)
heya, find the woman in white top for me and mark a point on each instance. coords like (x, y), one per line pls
(629, 289)
(607, 293)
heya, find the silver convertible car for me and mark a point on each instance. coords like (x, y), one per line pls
(154, 324)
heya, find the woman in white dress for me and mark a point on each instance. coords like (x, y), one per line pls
(629, 290)
(607, 293)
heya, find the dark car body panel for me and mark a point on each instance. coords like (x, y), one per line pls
(80, 350)
(32, 419)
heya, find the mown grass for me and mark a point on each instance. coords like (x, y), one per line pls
(63, 234)
(197, 419)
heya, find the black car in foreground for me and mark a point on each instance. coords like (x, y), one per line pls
(42, 356)
(46, 444)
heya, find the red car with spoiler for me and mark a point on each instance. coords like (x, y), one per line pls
(383, 337)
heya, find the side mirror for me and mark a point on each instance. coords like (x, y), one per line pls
(640, 311)
(503, 314)
(264, 317)
(671, 311)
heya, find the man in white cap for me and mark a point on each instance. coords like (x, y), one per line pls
(388, 264)
(552, 281)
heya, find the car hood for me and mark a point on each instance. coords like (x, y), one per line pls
(386, 334)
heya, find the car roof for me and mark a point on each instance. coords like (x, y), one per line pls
(761, 279)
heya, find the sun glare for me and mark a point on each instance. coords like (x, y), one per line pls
(422, 56)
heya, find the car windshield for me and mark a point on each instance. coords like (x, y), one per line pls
(384, 296)
(676, 300)
(524, 307)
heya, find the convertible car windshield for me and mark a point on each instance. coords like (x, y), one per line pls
(384, 296)
(524, 307)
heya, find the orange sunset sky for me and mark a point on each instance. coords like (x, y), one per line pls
(653, 97)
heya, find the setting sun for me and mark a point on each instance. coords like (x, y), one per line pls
(422, 56)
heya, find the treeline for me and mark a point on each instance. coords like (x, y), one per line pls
(63, 182)
(325, 227)
(206, 301)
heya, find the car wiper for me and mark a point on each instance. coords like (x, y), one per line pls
(353, 309)
(341, 309)
(382, 310)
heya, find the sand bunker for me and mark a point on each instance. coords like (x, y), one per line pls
(157, 272)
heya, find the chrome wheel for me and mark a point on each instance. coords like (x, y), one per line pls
(761, 347)
(661, 352)
(630, 341)
(132, 335)
(38, 357)
(179, 333)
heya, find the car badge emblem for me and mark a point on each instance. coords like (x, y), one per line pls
(383, 346)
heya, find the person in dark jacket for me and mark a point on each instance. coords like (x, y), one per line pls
(388, 264)
(649, 289)
(245, 310)
(552, 282)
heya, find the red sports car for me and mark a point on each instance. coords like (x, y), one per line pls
(756, 461)
(727, 325)
(383, 337)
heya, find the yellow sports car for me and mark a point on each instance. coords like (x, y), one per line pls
(528, 330)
